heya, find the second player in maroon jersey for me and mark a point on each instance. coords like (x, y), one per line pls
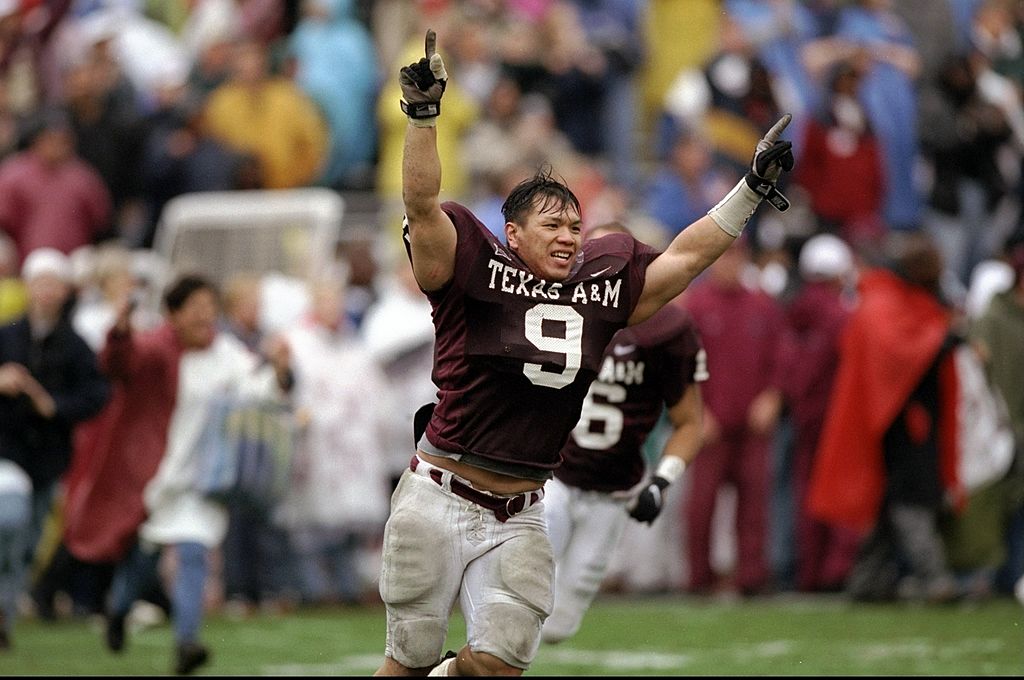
(648, 368)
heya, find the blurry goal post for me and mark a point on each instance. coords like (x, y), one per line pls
(293, 232)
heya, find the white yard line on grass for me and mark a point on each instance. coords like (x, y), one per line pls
(346, 665)
(610, 660)
(617, 659)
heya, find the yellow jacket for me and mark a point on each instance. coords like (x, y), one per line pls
(277, 123)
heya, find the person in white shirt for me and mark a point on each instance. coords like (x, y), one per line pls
(211, 365)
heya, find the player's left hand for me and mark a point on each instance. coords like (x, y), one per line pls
(648, 503)
(771, 156)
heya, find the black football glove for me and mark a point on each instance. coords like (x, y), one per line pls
(647, 505)
(423, 85)
(771, 157)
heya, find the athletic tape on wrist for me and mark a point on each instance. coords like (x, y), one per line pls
(734, 211)
(670, 468)
(421, 114)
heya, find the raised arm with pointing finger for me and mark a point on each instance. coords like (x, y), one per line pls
(431, 232)
(700, 244)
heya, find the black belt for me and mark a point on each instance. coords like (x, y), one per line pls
(503, 507)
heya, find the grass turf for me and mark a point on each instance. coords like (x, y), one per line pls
(785, 635)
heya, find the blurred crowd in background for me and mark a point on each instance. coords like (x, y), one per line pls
(831, 329)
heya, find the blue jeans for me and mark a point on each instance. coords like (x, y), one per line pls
(327, 568)
(137, 573)
(257, 556)
(15, 530)
(42, 505)
(782, 517)
(1013, 568)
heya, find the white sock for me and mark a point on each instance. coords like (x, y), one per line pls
(442, 668)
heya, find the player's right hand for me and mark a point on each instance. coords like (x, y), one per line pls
(423, 84)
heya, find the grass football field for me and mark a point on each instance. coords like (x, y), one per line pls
(784, 635)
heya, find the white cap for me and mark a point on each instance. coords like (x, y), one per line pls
(988, 278)
(825, 257)
(47, 261)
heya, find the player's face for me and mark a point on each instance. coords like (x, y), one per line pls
(548, 241)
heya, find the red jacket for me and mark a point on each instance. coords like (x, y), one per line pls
(889, 343)
(118, 452)
(826, 167)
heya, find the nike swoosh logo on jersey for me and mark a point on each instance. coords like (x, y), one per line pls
(596, 274)
(623, 350)
(498, 250)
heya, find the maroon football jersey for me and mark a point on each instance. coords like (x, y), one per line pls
(644, 367)
(514, 355)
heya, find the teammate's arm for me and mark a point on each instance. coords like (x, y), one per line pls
(681, 447)
(432, 236)
(700, 244)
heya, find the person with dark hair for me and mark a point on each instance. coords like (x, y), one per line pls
(284, 131)
(49, 196)
(132, 490)
(647, 369)
(179, 157)
(996, 335)
(521, 330)
(742, 330)
(840, 143)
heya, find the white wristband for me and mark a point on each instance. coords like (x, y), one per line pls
(670, 468)
(424, 122)
(734, 211)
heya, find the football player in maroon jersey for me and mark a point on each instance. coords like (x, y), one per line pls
(520, 331)
(654, 364)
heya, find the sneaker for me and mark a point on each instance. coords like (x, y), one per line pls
(44, 607)
(910, 588)
(190, 656)
(942, 590)
(115, 633)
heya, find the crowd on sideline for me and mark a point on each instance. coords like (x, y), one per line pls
(863, 427)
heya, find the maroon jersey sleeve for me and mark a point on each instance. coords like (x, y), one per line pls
(645, 368)
(515, 354)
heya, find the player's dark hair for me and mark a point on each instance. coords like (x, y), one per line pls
(183, 288)
(542, 192)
